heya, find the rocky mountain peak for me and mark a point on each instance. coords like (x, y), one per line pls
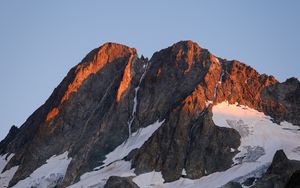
(93, 63)
(157, 112)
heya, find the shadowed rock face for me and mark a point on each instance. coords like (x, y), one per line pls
(13, 132)
(279, 173)
(294, 181)
(88, 114)
(282, 101)
(83, 116)
(117, 182)
(197, 146)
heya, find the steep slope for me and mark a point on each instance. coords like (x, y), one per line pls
(74, 113)
(116, 114)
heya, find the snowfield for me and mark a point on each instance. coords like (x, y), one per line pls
(135, 140)
(4, 159)
(260, 139)
(97, 179)
(7, 175)
(49, 174)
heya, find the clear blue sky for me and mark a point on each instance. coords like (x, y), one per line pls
(41, 40)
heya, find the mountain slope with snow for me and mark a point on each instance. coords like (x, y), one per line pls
(260, 139)
(184, 118)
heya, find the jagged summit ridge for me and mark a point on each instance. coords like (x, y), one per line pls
(93, 63)
(113, 97)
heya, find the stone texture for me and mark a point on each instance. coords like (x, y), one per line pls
(294, 181)
(120, 182)
(232, 185)
(283, 101)
(13, 132)
(279, 173)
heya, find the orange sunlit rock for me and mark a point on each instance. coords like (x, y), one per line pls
(212, 78)
(195, 102)
(52, 114)
(214, 59)
(106, 54)
(193, 50)
(158, 72)
(179, 55)
(126, 79)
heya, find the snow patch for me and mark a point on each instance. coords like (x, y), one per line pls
(240, 126)
(296, 150)
(217, 60)
(260, 137)
(113, 164)
(221, 76)
(136, 140)
(4, 159)
(49, 174)
(183, 172)
(7, 175)
(257, 173)
(149, 179)
(135, 102)
(253, 153)
(207, 103)
(215, 90)
(99, 178)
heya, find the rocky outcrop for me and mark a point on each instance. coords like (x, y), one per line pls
(13, 132)
(279, 173)
(282, 101)
(198, 147)
(112, 93)
(117, 182)
(232, 185)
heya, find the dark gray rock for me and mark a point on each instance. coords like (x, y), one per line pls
(279, 173)
(294, 181)
(120, 182)
(283, 101)
(249, 181)
(13, 132)
(232, 184)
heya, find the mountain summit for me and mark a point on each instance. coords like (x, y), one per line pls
(184, 118)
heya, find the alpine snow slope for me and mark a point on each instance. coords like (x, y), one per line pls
(184, 118)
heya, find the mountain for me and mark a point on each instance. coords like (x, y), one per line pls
(184, 118)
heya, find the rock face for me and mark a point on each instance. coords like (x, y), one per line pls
(112, 93)
(279, 174)
(232, 185)
(116, 182)
(294, 181)
(285, 98)
(10, 137)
